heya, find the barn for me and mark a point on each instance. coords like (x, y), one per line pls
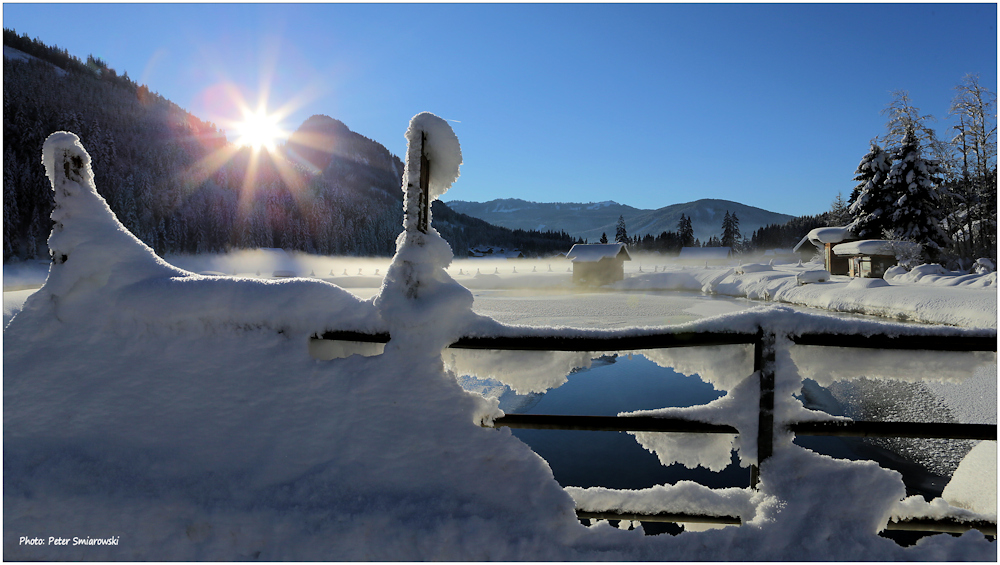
(598, 264)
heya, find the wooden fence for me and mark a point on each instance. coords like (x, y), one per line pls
(763, 340)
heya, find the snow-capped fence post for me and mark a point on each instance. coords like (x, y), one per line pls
(419, 300)
(763, 364)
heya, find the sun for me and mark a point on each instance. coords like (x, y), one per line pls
(259, 130)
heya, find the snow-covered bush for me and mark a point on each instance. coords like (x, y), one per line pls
(984, 266)
(893, 272)
(908, 252)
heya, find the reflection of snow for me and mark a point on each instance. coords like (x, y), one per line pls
(895, 401)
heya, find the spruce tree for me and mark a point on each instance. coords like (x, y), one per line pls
(869, 201)
(916, 213)
(604, 237)
(621, 234)
(685, 231)
(839, 213)
(731, 231)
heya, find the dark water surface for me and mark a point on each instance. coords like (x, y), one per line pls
(625, 383)
(615, 459)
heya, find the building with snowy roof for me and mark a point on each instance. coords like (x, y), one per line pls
(869, 258)
(598, 264)
(824, 239)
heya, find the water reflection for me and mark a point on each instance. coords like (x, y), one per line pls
(523, 371)
(606, 385)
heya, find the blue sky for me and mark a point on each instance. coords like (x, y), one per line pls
(771, 105)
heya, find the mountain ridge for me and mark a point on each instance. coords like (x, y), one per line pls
(588, 220)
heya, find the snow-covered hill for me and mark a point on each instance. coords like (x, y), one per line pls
(589, 220)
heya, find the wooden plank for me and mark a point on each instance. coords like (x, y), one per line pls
(354, 336)
(926, 430)
(424, 213)
(604, 343)
(660, 517)
(942, 525)
(919, 342)
(763, 365)
(610, 424)
(554, 343)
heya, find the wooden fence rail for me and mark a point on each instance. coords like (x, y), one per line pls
(764, 342)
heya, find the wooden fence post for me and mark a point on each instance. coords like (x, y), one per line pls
(763, 362)
(424, 212)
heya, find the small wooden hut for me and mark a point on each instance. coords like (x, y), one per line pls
(869, 258)
(824, 239)
(598, 264)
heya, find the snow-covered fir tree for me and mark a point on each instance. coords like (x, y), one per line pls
(871, 172)
(686, 231)
(839, 213)
(869, 200)
(731, 230)
(621, 234)
(914, 186)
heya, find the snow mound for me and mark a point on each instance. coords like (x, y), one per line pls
(974, 484)
(984, 266)
(88, 245)
(815, 276)
(99, 266)
(862, 283)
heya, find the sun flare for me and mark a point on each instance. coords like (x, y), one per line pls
(259, 130)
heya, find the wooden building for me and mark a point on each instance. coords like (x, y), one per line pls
(869, 258)
(825, 239)
(598, 264)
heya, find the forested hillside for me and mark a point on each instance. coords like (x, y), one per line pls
(178, 185)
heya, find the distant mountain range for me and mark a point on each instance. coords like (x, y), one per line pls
(590, 220)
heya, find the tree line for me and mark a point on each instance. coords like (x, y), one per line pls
(671, 242)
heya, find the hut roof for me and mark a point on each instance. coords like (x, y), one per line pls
(871, 247)
(592, 253)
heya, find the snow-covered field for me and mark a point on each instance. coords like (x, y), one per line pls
(154, 413)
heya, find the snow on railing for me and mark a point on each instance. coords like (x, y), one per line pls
(761, 410)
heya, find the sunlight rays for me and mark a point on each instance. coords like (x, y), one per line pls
(259, 130)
